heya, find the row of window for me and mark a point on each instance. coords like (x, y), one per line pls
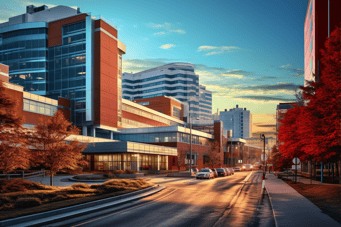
(161, 94)
(24, 32)
(28, 76)
(25, 44)
(165, 76)
(37, 107)
(26, 66)
(67, 49)
(162, 137)
(74, 72)
(158, 83)
(146, 114)
(135, 162)
(183, 69)
(23, 55)
(19, 41)
(72, 28)
(67, 61)
(74, 39)
(158, 89)
(57, 85)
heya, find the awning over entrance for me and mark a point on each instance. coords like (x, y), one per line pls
(130, 147)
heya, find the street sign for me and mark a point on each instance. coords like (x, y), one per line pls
(262, 158)
(296, 161)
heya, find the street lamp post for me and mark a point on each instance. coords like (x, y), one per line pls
(190, 143)
(262, 135)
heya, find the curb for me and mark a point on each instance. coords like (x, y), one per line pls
(87, 181)
(273, 211)
(80, 209)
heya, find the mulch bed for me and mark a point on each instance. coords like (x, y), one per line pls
(326, 197)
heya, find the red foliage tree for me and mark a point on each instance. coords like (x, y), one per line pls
(323, 112)
(312, 131)
(51, 149)
(13, 152)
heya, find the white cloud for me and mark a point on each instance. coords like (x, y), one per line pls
(239, 76)
(167, 28)
(213, 50)
(167, 46)
(160, 33)
(285, 66)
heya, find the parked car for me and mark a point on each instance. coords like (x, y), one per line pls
(247, 167)
(228, 172)
(205, 173)
(231, 170)
(221, 172)
(237, 169)
(215, 172)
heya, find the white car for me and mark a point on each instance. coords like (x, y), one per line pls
(247, 167)
(205, 173)
(237, 169)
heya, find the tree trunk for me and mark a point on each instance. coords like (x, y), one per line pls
(51, 180)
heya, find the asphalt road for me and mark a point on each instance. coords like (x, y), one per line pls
(190, 202)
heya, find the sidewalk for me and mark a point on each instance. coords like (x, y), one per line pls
(291, 208)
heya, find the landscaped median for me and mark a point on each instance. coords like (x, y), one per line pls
(20, 197)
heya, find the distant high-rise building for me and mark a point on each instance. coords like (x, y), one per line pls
(176, 80)
(322, 17)
(205, 103)
(238, 120)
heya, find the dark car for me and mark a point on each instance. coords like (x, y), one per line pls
(215, 173)
(221, 172)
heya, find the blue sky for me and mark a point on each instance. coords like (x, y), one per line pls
(246, 52)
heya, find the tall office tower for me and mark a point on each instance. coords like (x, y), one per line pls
(205, 103)
(322, 18)
(176, 80)
(61, 52)
(238, 120)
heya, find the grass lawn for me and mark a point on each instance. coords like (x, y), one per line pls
(20, 197)
(326, 197)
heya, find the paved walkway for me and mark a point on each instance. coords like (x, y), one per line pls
(292, 209)
(306, 180)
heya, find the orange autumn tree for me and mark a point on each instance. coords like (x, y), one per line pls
(214, 154)
(50, 148)
(13, 152)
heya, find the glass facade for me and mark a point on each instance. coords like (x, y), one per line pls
(67, 69)
(24, 50)
(162, 137)
(135, 162)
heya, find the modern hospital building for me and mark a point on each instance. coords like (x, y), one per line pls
(61, 58)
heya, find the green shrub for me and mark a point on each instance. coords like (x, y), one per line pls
(80, 185)
(27, 202)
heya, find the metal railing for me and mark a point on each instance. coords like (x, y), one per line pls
(24, 175)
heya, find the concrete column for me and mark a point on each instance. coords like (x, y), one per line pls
(158, 162)
(111, 135)
(93, 132)
(84, 131)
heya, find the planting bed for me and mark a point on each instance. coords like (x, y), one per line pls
(20, 197)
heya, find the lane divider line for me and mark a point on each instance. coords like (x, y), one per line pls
(122, 211)
(233, 201)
